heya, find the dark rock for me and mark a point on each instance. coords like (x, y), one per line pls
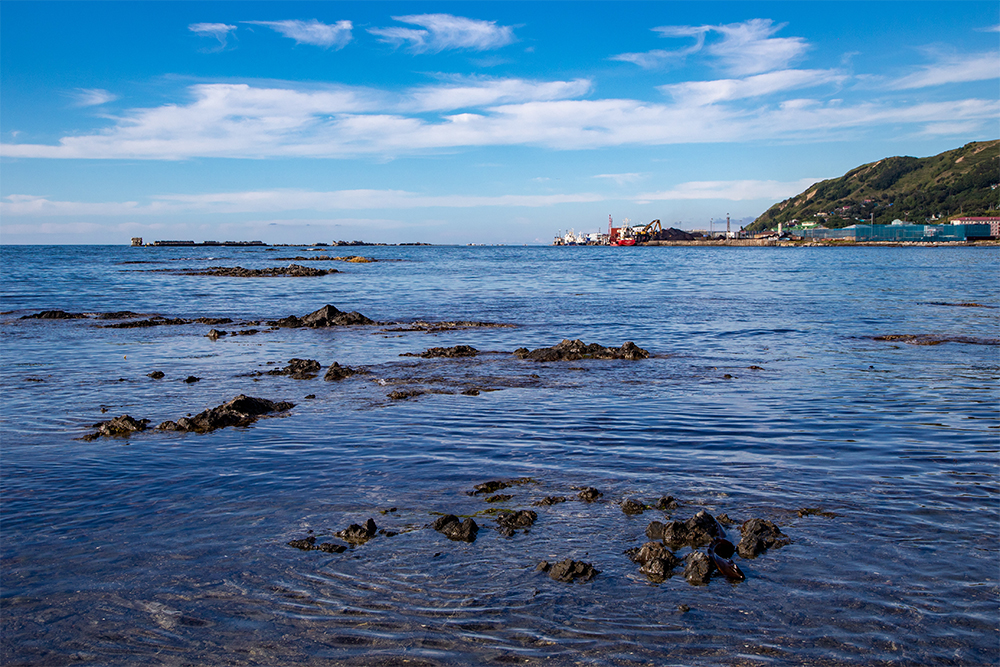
(697, 531)
(666, 503)
(499, 498)
(356, 534)
(453, 529)
(298, 369)
(328, 316)
(403, 394)
(759, 535)
(725, 520)
(241, 411)
(490, 487)
(658, 569)
(569, 570)
(310, 396)
(632, 507)
(119, 315)
(191, 379)
(472, 391)
(119, 426)
(215, 334)
(156, 375)
(551, 500)
(456, 351)
(571, 350)
(151, 322)
(698, 568)
(292, 271)
(516, 520)
(54, 315)
(248, 332)
(683, 608)
(654, 530)
(331, 548)
(306, 543)
(336, 372)
(589, 495)
(651, 550)
(212, 320)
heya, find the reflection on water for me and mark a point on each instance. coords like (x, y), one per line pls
(765, 395)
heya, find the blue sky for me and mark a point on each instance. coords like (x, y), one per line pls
(464, 122)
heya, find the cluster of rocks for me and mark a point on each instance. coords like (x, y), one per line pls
(216, 334)
(435, 327)
(935, 339)
(455, 529)
(240, 411)
(160, 321)
(290, 271)
(569, 571)
(572, 350)
(298, 369)
(63, 315)
(353, 259)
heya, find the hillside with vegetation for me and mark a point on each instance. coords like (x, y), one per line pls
(960, 182)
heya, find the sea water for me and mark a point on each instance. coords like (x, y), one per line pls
(767, 394)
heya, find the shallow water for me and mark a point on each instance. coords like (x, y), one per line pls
(170, 548)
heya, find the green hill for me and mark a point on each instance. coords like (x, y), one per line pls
(963, 181)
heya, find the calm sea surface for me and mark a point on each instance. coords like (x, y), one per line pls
(766, 393)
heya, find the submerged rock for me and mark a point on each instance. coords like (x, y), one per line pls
(124, 425)
(336, 372)
(403, 394)
(571, 350)
(298, 369)
(569, 570)
(759, 535)
(490, 487)
(215, 334)
(453, 529)
(241, 411)
(548, 501)
(936, 339)
(449, 352)
(157, 321)
(156, 375)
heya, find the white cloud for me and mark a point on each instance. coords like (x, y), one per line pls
(724, 90)
(952, 69)
(744, 48)
(443, 31)
(244, 121)
(480, 92)
(90, 97)
(336, 35)
(272, 201)
(621, 179)
(731, 190)
(219, 31)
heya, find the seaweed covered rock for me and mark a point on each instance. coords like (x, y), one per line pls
(241, 411)
(569, 570)
(124, 425)
(336, 372)
(298, 369)
(759, 535)
(459, 531)
(697, 531)
(572, 350)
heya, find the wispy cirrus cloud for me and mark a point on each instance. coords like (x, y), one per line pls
(219, 31)
(724, 90)
(327, 36)
(741, 48)
(621, 179)
(440, 32)
(92, 97)
(952, 69)
(468, 92)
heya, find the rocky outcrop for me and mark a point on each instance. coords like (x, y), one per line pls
(459, 531)
(336, 372)
(697, 531)
(450, 352)
(124, 425)
(509, 522)
(54, 315)
(759, 535)
(241, 411)
(327, 316)
(290, 271)
(357, 534)
(298, 369)
(572, 350)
